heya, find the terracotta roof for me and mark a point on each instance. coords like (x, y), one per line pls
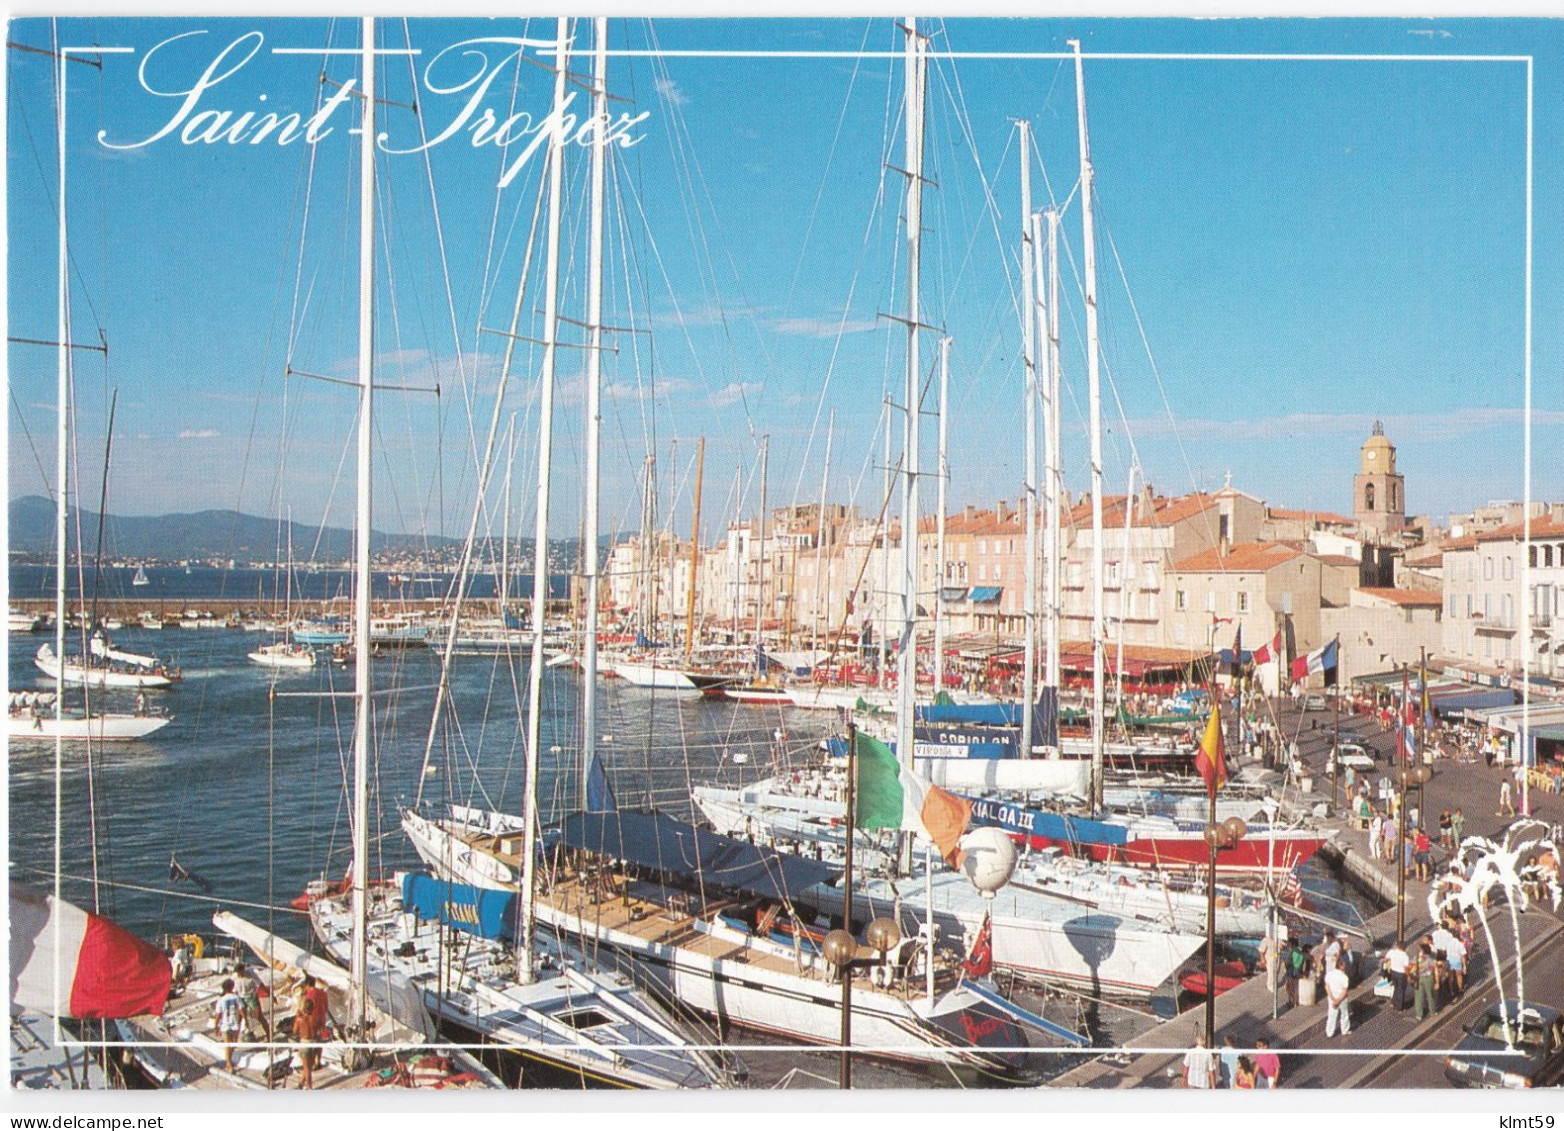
(1248, 557)
(1338, 560)
(1409, 598)
(1543, 526)
(1312, 516)
(1165, 511)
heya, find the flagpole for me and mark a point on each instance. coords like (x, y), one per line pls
(846, 1071)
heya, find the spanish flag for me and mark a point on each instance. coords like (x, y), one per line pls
(1210, 759)
(889, 797)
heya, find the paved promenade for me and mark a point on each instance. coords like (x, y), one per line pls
(1385, 1048)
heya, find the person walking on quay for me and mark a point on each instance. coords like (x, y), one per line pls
(1267, 1065)
(1446, 827)
(1420, 854)
(1376, 833)
(1425, 974)
(1297, 963)
(1397, 963)
(1337, 1013)
(1229, 1062)
(1506, 799)
(1388, 833)
(1457, 828)
(1199, 1066)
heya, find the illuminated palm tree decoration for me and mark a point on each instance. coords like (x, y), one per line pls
(1512, 868)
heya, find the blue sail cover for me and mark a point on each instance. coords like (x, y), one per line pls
(663, 844)
(599, 794)
(478, 911)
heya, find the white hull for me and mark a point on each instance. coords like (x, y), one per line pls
(800, 1004)
(654, 677)
(295, 656)
(24, 727)
(630, 1048)
(95, 676)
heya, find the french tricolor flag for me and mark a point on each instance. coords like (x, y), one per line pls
(1322, 659)
(104, 970)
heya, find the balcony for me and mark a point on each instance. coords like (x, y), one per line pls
(1497, 624)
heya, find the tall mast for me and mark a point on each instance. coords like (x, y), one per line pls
(907, 674)
(366, 403)
(760, 556)
(1094, 397)
(62, 492)
(594, 404)
(939, 522)
(540, 542)
(825, 480)
(882, 606)
(695, 552)
(1051, 459)
(1029, 411)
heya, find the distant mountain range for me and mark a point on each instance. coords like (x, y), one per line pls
(216, 534)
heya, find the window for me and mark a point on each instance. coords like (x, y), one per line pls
(1507, 610)
(1487, 606)
(1151, 606)
(982, 572)
(1180, 601)
(1531, 555)
(1211, 600)
(998, 576)
(982, 547)
(1487, 569)
(1392, 494)
(1112, 571)
(1468, 605)
(1151, 575)
(1178, 633)
(1452, 604)
(1509, 568)
(1368, 496)
(1243, 601)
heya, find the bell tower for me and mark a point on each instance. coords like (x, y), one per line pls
(1378, 492)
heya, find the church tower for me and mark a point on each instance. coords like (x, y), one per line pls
(1378, 494)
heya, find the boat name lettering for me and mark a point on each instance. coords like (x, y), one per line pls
(461, 913)
(1006, 816)
(467, 70)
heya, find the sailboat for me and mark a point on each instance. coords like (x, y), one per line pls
(106, 666)
(141, 577)
(286, 654)
(721, 924)
(372, 1011)
(32, 718)
(498, 983)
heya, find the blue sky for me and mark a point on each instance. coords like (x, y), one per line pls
(1309, 245)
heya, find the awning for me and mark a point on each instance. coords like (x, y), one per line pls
(984, 593)
(953, 593)
(658, 842)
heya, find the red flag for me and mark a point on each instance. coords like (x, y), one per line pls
(980, 963)
(1210, 758)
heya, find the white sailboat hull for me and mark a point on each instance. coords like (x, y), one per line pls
(24, 727)
(295, 656)
(94, 676)
(654, 677)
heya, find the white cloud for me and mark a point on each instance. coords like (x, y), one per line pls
(670, 92)
(733, 392)
(823, 327)
(200, 434)
(1404, 427)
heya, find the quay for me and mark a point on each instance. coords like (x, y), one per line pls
(1385, 1049)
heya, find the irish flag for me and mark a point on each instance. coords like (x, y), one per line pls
(889, 797)
(1211, 759)
(104, 970)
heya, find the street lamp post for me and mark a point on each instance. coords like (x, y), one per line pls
(840, 950)
(1218, 836)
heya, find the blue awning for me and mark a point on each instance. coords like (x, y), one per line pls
(985, 593)
(658, 842)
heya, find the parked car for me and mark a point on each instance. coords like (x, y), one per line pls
(1313, 701)
(1357, 756)
(1483, 1060)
